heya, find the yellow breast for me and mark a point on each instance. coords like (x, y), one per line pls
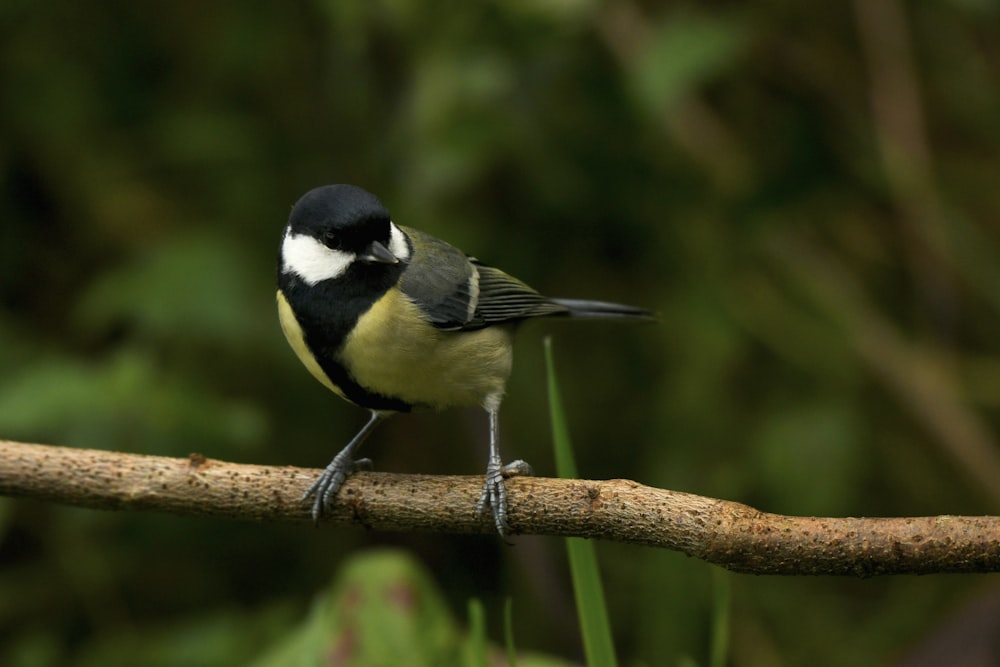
(394, 352)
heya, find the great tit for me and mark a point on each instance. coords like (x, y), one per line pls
(395, 320)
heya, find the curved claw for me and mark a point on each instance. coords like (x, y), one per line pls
(325, 488)
(494, 492)
(328, 484)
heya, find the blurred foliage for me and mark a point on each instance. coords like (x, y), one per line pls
(806, 194)
(383, 609)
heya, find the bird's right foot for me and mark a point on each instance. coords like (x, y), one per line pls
(328, 484)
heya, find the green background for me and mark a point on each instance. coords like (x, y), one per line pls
(806, 193)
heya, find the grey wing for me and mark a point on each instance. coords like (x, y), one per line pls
(504, 298)
(456, 292)
(440, 280)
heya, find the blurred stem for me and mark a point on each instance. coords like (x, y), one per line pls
(900, 130)
(729, 534)
(895, 95)
(942, 235)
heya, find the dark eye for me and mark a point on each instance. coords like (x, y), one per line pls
(331, 240)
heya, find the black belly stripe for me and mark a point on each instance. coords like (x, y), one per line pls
(355, 392)
(327, 312)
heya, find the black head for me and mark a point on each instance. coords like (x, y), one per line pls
(341, 231)
(341, 217)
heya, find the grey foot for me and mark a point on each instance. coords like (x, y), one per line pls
(494, 492)
(328, 484)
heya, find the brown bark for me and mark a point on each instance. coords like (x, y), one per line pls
(726, 533)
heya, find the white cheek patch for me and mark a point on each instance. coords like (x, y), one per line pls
(312, 261)
(397, 243)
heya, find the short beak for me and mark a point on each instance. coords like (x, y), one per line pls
(379, 253)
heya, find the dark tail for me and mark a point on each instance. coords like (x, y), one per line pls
(603, 310)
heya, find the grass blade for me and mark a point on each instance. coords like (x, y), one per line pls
(720, 618)
(598, 644)
(508, 632)
(476, 645)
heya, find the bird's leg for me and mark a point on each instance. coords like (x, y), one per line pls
(326, 486)
(494, 491)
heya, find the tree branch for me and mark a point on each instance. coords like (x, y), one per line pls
(726, 533)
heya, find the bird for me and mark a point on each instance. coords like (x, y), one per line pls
(395, 320)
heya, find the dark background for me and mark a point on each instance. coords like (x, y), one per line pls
(807, 194)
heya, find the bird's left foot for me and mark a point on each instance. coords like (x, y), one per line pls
(494, 492)
(328, 484)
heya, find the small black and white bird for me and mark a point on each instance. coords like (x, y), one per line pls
(395, 320)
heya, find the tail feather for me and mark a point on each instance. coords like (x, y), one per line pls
(603, 309)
